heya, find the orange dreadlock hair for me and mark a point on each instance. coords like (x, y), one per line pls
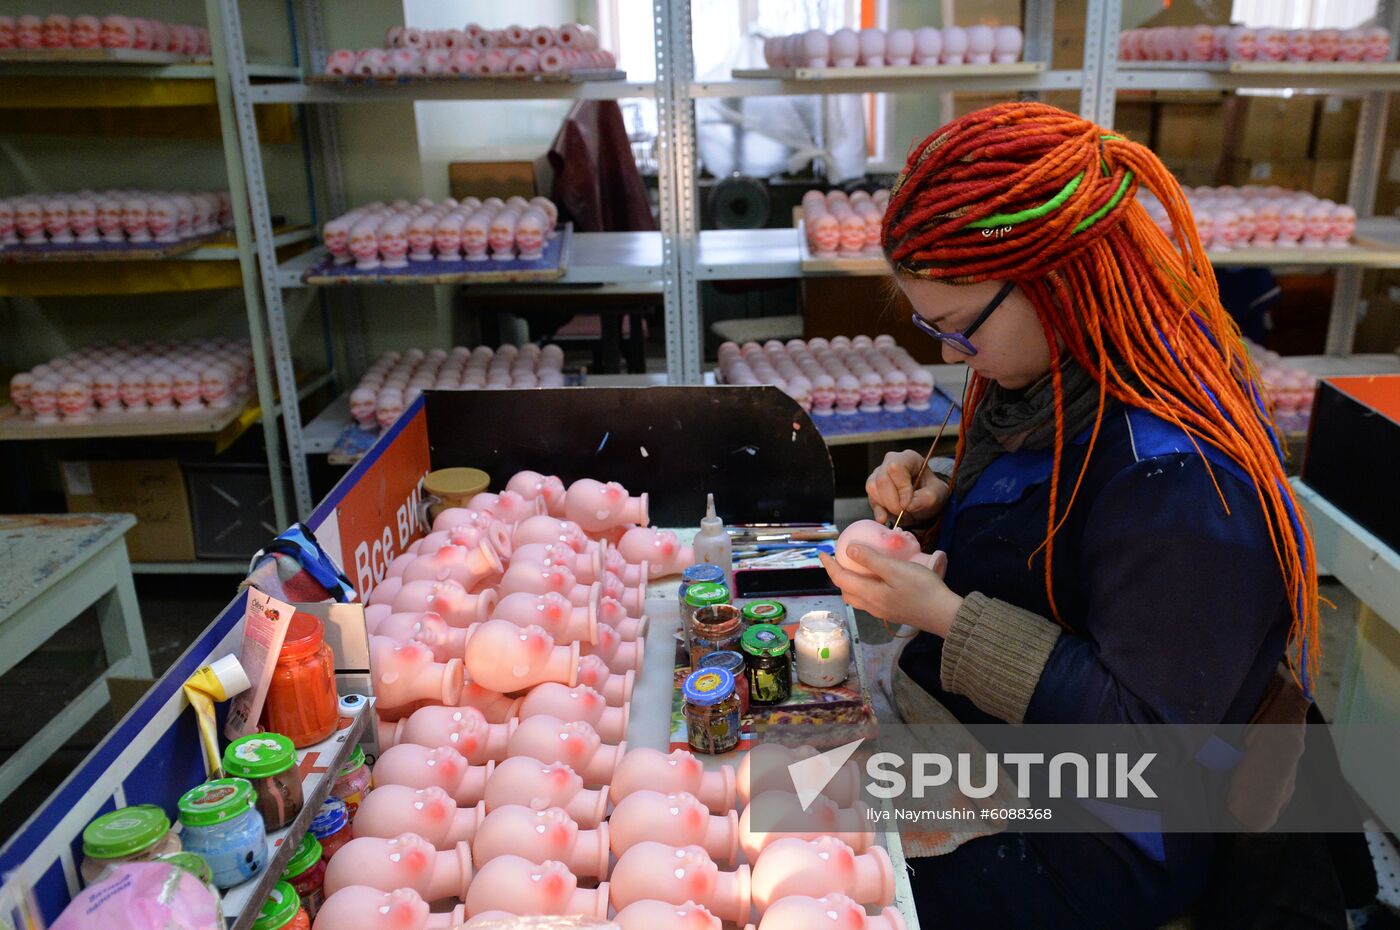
(1029, 193)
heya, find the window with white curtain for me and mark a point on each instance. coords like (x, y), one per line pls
(1303, 14)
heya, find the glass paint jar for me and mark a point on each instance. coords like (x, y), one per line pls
(353, 781)
(269, 762)
(698, 595)
(307, 874)
(282, 910)
(331, 827)
(733, 663)
(764, 612)
(696, 574)
(712, 722)
(221, 823)
(768, 654)
(823, 648)
(191, 862)
(714, 629)
(128, 834)
(301, 700)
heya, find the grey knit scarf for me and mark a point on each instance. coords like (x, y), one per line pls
(1008, 421)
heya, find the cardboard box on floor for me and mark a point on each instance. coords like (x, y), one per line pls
(1135, 119)
(152, 489)
(1335, 135)
(1330, 178)
(1277, 129)
(482, 179)
(1189, 131)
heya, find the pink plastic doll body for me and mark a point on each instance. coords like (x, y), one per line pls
(776, 815)
(360, 907)
(620, 656)
(519, 886)
(531, 485)
(444, 767)
(542, 836)
(663, 915)
(405, 861)
(494, 705)
(578, 703)
(679, 819)
(895, 544)
(403, 673)
(508, 506)
(765, 768)
(555, 613)
(597, 507)
(448, 599)
(501, 656)
(825, 864)
(831, 912)
(463, 728)
(661, 550)
(469, 567)
(390, 810)
(574, 743)
(679, 771)
(538, 785)
(659, 871)
(615, 689)
(533, 578)
(549, 530)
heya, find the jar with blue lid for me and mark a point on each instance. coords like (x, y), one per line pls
(221, 823)
(696, 574)
(712, 720)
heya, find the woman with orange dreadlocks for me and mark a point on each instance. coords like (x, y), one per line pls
(1123, 546)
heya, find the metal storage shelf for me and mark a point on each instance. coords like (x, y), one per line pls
(453, 90)
(1233, 75)
(594, 258)
(775, 82)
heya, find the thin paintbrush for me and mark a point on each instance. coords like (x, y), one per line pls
(920, 473)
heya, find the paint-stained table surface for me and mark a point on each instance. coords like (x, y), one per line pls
(41, 550)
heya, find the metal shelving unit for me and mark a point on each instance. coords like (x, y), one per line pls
(675, 260)
(67, 84)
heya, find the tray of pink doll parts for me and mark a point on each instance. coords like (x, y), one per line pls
(540, 77)
(890, 71)
(201, 421)
(550, 266)
(856, 263)
(96, 56)
(882, 421)
(844, 711)
(20, 253)
(1270, 67)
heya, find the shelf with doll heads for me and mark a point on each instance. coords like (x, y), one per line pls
(447, 242)
(110, 225)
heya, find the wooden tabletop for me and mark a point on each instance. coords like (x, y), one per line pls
(41, 550)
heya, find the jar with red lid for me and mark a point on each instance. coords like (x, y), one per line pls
(331, 827)
(353, 781)
(301, 700)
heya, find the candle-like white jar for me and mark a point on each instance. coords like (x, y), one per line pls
(823, 649)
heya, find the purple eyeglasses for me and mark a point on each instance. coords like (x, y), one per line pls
(963, 341)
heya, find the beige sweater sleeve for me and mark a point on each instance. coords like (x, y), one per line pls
(994, 654)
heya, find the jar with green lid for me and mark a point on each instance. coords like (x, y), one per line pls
(282, 909)
(768, 654)
(712, 721)
(269, 762)
(222, 824)
(353, 782)
(307, 874)
(700, 572)
(714, 629)
(191, 862)
(764, 612)
(698, 596)
(129, 834)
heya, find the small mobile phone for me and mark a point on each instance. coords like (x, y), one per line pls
(811, 581)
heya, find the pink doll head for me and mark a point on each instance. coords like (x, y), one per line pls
(504, 657)
(833, 911)
(132, 388)
(421, 232)
(872, 47)
(341, 62)
(1317, 222)
(364, 245)
(814, 48)
(1245, 230)
(185, 388)
(980, 43)
(663, 915)
(109, 218)
(1266, 222)
(894, 544)
(58, 31)
(372, 62)
(515, 884)
(145, 34)
(405, 62)
(1227, 229)
(56, 219)
(29, 31)
(361, 905)
(1352, 46)
(825, 233)
(447, 237)
(1342, 224)
(1326, 44)
(1273, 44)
(214, 386)
(135, 219)
(336, 235)
(1376, 44)
(160, 388)
(531, 485)
(82, 218)
(74, 400)
(845, 49)
(847, 393)
(43, 400)
(21, 387)
(1200, 43)
(530, 234)
(392, 237)
(1006, 44)
(899, 47)
(118, 32)
(501, 234)
(955, 45)
(1243, 44)
(388, 405)
(1300, 45)
(162, 220)
(1291, 223)
(29, 220)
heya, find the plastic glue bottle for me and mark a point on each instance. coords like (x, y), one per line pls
(712, 544)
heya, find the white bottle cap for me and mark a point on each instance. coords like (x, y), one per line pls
(229, 671)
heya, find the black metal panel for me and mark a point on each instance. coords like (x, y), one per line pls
(752, 447)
